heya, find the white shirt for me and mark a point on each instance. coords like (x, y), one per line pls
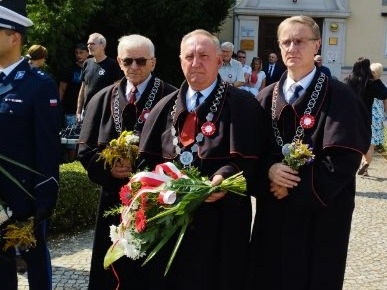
(191, 98)
(289, 85)
(232, 72)
(140, 87)
(10, 68)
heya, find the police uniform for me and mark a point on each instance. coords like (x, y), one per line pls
(29, 128)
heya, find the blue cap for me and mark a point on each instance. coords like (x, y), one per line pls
(13, 15)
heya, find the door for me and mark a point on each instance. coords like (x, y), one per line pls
(267, 35)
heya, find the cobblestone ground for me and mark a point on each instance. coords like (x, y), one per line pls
(367, 254)
(70, 261)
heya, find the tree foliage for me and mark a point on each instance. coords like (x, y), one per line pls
(164, 22)
(59, 22)
(58, 25)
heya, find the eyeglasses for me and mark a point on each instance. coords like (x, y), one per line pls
(241, 56)
(299, 43)
(141, 61)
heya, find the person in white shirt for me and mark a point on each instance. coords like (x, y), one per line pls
(241, 57)
(231, 70)
(257, 77)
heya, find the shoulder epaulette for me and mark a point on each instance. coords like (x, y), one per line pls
(40, 73)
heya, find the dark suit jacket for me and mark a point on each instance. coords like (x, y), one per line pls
(277, 72)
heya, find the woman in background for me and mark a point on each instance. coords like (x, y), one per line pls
(257, 79)
(363, 82)
(37, 55)
(379, 107)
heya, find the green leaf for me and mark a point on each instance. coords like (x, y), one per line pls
(5, 158)
(13, 179)
(112, 255)
(177, 245)
(162, 242)
(9, 176)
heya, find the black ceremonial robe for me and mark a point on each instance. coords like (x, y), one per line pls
(214, 251)
(300, 242)
(108, 112)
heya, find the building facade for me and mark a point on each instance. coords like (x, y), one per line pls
(349, 29)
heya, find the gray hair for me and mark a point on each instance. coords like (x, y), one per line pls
(214, 39)
(135, 41)
(228, 45)
(100, 38)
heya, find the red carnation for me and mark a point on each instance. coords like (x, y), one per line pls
(125, 195)
(140, 220)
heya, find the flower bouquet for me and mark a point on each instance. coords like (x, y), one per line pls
(17, 234)
(297, 154)
(125, 147)
(158, 204)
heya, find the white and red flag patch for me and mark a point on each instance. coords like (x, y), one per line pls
(53, 102)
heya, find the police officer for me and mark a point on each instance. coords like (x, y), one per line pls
(29, 134)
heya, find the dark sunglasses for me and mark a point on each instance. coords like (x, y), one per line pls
(141, 61)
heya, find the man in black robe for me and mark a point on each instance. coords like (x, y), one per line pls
(110, 112)
(301, 231)
(226, 139)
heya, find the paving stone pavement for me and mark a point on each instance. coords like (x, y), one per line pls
(367, 254)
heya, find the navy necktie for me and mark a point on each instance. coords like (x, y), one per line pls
(2, 77)
(198, 95)
(271, 67)
(295, 95)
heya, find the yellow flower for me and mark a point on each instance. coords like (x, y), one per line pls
(297, 154)
(19, 234)
(125, 147)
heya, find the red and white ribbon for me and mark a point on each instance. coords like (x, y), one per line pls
(154, 181)
(167, 197)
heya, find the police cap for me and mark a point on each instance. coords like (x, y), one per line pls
(13, 15)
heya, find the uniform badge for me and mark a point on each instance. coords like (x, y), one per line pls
(53, 102)
(19, 75)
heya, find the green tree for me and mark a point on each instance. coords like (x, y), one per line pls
(164, 22)
(58, 25)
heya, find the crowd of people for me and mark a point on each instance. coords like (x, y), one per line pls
(241, 118)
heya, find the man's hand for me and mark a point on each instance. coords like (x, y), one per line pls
(283, 175)
(279, 191)
(79, 118)
(216, 195)
(121, 169)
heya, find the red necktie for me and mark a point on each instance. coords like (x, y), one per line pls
(132, 95)
(187, 135)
